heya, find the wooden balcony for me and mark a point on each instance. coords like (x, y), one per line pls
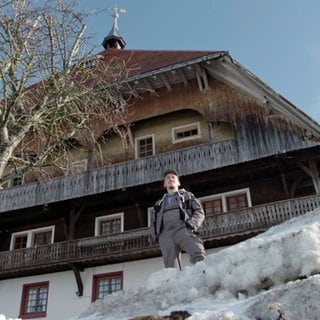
(137, 244)
(200, 158)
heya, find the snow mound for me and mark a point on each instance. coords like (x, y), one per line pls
(245, 281)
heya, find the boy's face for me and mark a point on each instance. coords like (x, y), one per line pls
(171, 183)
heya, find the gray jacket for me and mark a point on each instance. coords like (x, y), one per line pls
(191, 212)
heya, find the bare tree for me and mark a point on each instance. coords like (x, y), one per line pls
(53, 91)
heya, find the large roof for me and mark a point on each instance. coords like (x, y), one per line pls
(150, 70)
(144, 61)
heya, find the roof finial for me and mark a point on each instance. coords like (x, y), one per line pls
(113, 39)
(115, 13)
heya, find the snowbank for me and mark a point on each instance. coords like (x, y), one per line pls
(245, 281)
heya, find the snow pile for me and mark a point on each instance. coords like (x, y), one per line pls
(250, 280)
(271, 276)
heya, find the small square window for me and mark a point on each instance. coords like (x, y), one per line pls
(17, 179)
(34, 300)
(42, 238)
(144, 147)
(212, 207)
(105, 284)
(20, 242)
(110, 224)
(238, 201)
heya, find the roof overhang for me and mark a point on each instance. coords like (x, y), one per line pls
(221, 66)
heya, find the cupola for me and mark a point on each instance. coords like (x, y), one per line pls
(114, 40)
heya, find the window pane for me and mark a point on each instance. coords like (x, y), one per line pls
(213, 207)
(17, 181)
(42, 238)
(36, 299)
(145, 147)
(186, 132)
(107, 286)
(110, 226)
(20, 242)
(237, 201)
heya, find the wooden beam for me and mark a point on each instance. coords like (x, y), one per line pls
(312, 170)
(182, 77)
(165, 81)
(202, 78)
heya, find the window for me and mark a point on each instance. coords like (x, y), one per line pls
(34, 300)
(228, 201)
(212, 207)
(144, 146)
(42, 238)
(105, 284)
(237, 201)
(17, 179)
(110, 224)
(186, 132)
(20, 242)
(32, 238)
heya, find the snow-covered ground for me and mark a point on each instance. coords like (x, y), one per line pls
(271, 276)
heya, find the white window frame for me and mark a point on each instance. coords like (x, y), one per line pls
(108, 217)
(20, 177)
(223, 196)
(137, 156)
(30, 235)
(186, 126)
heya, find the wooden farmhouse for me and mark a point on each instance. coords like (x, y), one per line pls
(249, 155)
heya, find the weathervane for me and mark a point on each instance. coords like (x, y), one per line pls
(115, 12)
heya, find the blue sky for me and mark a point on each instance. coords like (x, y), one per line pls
(277, 40)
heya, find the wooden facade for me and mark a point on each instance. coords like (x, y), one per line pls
(206, 116)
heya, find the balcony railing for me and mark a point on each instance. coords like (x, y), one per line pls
(122, 175)
(208, 156)
(137, 244)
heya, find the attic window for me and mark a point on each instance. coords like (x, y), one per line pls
(144, 146)
(186, 132)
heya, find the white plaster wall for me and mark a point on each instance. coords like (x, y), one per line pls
(63, 303)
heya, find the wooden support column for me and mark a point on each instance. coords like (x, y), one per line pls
(69, 225)
(76, 270)
(290, 191)
(312, 170)
(210, 130)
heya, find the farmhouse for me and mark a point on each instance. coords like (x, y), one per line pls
(246, 152)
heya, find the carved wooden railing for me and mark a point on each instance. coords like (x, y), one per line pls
(138, 242)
